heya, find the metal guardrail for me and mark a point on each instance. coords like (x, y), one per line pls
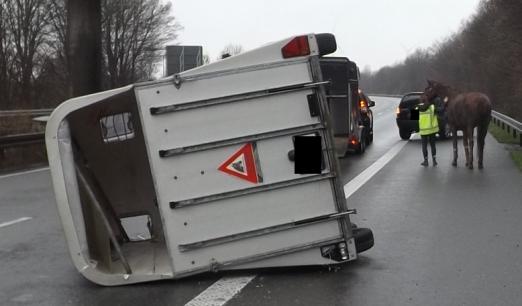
(21, 139)
(509, 124)
(26, 138)
(31, 112)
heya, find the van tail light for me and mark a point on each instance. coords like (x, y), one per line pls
(298, 46)
(398, 111)
(353, 140)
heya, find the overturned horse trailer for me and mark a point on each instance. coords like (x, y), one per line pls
(226, 166)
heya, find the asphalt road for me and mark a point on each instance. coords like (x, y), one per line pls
(444, 236)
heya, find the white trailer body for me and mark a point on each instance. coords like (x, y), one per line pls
(203, 171)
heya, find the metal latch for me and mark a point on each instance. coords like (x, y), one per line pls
(313, 104)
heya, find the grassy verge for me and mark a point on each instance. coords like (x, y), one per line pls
(517, 157)
(504, 137)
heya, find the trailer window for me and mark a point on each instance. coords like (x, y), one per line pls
(138, 228)
(117, 127)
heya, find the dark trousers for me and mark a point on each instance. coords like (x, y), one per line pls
(431, 139)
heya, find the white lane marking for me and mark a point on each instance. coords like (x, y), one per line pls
(352, 186)
(221, 292)
(15, 221)
(23, 172)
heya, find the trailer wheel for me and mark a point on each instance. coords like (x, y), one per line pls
(363, 239)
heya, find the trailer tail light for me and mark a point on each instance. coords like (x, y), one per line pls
(343, 251)
(296, 47)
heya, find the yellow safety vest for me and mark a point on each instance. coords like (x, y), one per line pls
(428, 122)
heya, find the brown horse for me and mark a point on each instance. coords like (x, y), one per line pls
(465, 111)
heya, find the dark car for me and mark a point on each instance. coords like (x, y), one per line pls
(408, 117)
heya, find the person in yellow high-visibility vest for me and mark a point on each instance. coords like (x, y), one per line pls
(428, 128)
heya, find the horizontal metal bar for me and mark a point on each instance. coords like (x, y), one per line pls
(251, 190)
(31, 112)
(216, 266)
(262, 231)
(21, 139)
(239, 140)
(182, 77)
(507, 120)
(158, 110)
(337, 96)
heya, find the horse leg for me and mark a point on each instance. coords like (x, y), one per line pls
(482, 130)
(466, 147)
(455, 150)
(471, 143)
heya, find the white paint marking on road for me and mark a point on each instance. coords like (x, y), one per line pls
(352, 186)
(15, 221)
(24, 172)
(221, 292)
(226, 288)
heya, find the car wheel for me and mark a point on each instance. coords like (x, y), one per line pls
(362, 145)
(405, 135)
(369, 139)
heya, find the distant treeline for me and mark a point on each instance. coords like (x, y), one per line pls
(485, 55)
(34, 59)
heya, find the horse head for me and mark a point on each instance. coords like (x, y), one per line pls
(434, 89)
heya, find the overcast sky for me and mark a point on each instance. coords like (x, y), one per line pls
(374, 33)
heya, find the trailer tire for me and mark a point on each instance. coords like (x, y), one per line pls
(363, 239)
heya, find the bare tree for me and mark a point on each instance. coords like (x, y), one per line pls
(6, 60)
(134, 34)
(27, 27)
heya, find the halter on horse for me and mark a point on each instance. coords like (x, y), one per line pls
(465, 111)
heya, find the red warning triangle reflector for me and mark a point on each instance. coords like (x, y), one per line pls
(242, 164)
